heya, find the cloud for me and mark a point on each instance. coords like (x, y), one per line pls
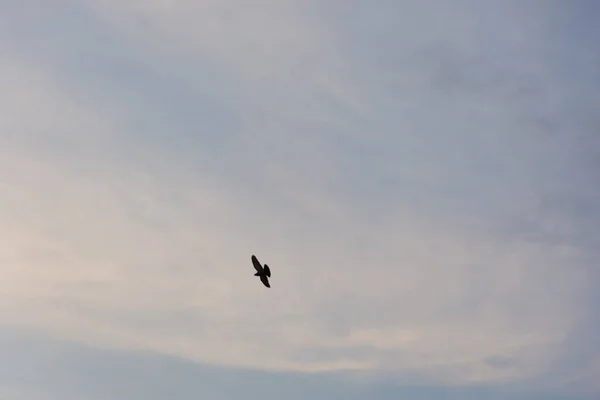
(418, 210)
(41, 368)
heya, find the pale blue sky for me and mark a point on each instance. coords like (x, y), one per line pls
(421, 176)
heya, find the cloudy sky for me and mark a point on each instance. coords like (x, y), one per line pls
(421, 176)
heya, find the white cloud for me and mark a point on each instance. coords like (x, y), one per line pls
(152, 251)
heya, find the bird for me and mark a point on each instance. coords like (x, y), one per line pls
(263, 272)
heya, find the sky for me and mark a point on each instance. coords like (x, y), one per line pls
(420, 176)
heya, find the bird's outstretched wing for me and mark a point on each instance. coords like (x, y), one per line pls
(265, 281)
(256, 264)
(267, 270)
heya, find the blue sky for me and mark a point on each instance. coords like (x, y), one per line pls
(421, 176)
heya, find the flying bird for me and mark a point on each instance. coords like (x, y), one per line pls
(263, 272)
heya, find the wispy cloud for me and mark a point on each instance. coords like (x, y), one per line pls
(420, 179)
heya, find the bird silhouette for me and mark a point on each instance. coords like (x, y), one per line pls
(263, 272)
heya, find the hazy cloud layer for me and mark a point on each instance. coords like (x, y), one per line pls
(421, 178)
(49, 369)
